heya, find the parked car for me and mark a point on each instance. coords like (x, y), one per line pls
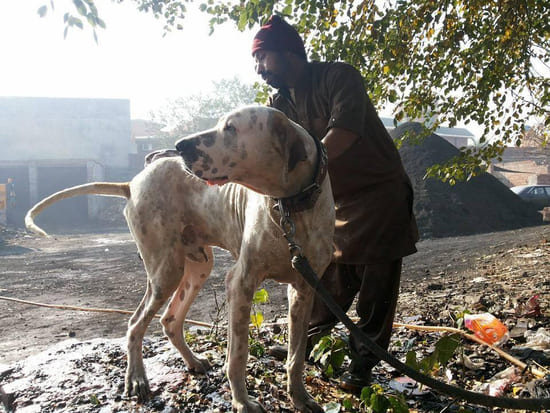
(538, 195)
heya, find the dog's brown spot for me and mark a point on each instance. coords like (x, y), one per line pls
(232, 164)
(144, 230)
(245, 312)
(171, 334)
(188, 235)
(203, 275)
(182, 295)
(261, 126)
(170, 319)
(244, 154)
(215, 170)
(158, 292)
(187, 285)
(253, 120)
(208, 140)
(132, 338)
(225, 160)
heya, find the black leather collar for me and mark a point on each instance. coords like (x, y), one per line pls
(306, 198)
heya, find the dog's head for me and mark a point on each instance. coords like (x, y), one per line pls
(256, 146)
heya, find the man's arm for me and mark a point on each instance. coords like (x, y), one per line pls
(337, 141)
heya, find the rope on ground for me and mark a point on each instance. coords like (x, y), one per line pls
(91, 310)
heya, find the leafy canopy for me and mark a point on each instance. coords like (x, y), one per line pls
(448, 62)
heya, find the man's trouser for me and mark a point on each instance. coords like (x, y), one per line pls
(378, 288)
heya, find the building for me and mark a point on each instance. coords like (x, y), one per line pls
(53, 143)
(459, 137)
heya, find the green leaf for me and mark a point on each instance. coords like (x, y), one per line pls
(446, 347)
(257, 319)
(260, 297)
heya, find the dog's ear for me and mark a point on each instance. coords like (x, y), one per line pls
(297, 150)
(292, 144)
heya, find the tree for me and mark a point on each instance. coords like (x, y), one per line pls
(482, 61)
(188, 114)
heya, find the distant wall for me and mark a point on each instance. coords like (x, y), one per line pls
(48, 128)
(48, 144)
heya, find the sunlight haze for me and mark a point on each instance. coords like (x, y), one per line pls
(132, 60)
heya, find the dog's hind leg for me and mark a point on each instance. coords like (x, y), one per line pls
(173, 319)
(155, 296)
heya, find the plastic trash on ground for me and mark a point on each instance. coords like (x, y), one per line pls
(486, 327)
(408, 386)
(539, 340)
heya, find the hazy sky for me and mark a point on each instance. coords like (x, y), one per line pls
(132, 59)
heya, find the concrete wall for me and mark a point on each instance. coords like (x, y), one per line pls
(47, 144)
(51, 128)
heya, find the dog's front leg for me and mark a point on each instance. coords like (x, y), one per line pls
(240, 289)
(300, 300)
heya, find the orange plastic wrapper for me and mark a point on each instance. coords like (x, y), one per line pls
(486, 327)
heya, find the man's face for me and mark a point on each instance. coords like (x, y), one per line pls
(272, 67)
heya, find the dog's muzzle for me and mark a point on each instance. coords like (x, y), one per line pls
(187, 149)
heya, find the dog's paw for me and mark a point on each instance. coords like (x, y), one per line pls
(137, 386)
(250, 406)
(306, 404)
(199, 365)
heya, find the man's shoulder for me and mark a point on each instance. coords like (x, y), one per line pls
(335, 70)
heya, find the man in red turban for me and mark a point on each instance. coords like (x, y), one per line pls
(375, 225)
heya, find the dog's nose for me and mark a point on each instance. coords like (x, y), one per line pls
(187, 149)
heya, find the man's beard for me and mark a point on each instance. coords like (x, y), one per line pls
(273, 80)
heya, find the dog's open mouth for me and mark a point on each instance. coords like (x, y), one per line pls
(219, 180)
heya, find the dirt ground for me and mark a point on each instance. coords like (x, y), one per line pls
(497, 272)
(103, 270)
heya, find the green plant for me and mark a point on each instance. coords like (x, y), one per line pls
(373, 399)
(256, 348)
(330, 352)
(444, 350)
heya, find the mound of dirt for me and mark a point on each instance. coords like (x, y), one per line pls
(482, 204)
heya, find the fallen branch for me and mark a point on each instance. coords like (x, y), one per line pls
(91, 310)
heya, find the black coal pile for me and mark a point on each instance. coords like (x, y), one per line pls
(482, 204)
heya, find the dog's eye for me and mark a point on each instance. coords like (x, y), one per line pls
(229, 128)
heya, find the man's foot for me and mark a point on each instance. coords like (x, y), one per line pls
(353, 382)
(278, 352)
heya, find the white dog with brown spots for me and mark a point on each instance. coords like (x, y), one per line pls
(176, 217)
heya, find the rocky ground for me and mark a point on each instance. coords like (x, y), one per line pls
(55, 360)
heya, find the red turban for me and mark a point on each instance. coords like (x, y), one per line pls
(278, 36)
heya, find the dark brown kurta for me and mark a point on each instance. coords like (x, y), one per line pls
(372, 192)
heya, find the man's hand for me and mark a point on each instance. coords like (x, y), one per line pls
(337, 141)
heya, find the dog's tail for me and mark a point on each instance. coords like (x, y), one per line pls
(121, 189)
